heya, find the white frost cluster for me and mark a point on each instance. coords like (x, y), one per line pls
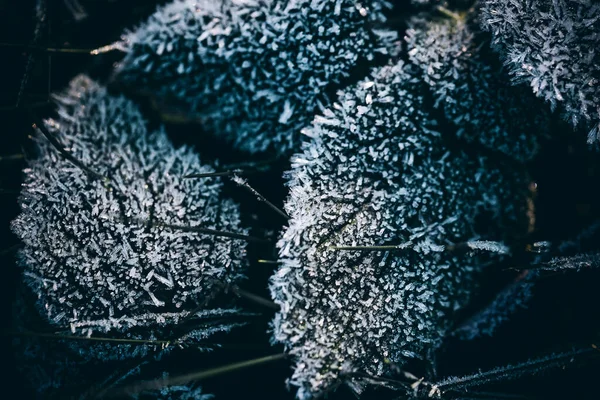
(254, 71)
(375, 171)
(474, 95)
(553, 45)
(95, 251)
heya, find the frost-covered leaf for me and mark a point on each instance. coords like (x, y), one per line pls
(474, 95)
(552, 45)
(252, 71)
(93, 252)
(376, 170)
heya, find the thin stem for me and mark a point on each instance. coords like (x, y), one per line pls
(213, 232)
(369, 248)
(530, 367)
(65, 50)
(243, 183)
(267, 261)
(482, 245)
(576, 262)
(54, 142)
(215, 174)
(236, 169)
(255, 298)
(196, 376)
(108, 48)
(163, 343)
(389, 381)
(12, 157)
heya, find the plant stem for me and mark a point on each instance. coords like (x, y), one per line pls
(196, 376)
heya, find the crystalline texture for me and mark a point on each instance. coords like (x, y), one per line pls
(473, 94)
(95, 253)
(252, 71)
(376, 171)
(553, 46)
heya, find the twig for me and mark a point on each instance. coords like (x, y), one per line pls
(254, 298)
(216, 173)
(243, 183)
(196, 376)
(65, 50)
(529, 367)
(54, 142)
(483, 245)
(162, 343)
(267, 261)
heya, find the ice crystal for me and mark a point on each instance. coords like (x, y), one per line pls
(486, 245)
(577, 262)
(97, 253)
(252, 71)
(473, 94)
(553, 46)
(376, 170)
(531, 367)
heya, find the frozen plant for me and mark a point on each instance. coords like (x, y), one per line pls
(473, 94)
(105, 254)
(376, 170)
(254, 71)
(552, 45)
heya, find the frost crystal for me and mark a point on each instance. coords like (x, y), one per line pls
(474, 95)
(552, 45)
(577, 262)
(376, 171)
(253, 71)
(96, 253)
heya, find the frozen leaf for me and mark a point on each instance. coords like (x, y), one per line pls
(253, 71)
(376, 170)
(95, 252)
(552, 45)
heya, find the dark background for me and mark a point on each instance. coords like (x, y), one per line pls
(565, 310)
